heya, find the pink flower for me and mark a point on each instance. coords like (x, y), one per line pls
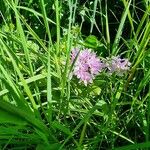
(118, 65)
(86, 66)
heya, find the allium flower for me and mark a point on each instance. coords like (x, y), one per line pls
(87, 65)
(118, 65)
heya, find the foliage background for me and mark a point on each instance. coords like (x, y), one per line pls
(40, 107)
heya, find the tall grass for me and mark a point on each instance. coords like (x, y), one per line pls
(41, 107)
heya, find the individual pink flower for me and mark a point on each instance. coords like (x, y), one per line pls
(86, 65)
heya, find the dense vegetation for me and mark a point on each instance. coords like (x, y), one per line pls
(46, 102)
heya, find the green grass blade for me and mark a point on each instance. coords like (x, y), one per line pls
(120, 29)
(49, 84)
(26, 87)
(135, 146)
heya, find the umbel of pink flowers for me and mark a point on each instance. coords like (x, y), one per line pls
(87, 65)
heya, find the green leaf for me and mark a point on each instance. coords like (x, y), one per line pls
(91, 41)
(135, 146)
(62, 128)
(96, 90)
(22, 114)
(48, 147)
(3, 92)
(33, 79)
(7, 117)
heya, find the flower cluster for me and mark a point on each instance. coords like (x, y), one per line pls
(118, 65)
(87, 65)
